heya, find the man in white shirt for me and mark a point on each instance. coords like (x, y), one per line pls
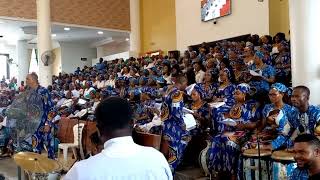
(121, 158)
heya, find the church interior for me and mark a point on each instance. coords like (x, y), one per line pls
(217, 89)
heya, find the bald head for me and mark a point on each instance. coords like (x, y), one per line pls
(32, 80)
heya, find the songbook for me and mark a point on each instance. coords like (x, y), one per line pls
(187, 111)
(189, 121)
(216, 104)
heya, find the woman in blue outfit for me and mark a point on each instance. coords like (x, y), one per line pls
(276, 119)
(201, 113)
(267, 72)
(226, 88)
(282, 63)
(226, 145)
(209, 86)
(174, 130)
(143, 113)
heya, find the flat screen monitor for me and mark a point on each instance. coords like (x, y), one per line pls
(213, 9)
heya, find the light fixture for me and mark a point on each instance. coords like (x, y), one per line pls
(100, 32)
(127, 39)
(53, 35)
(66, 29)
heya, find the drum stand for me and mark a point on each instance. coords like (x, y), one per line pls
(259, 157)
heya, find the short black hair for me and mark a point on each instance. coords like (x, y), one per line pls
(112, 114)
(305, 89)
(308, 138)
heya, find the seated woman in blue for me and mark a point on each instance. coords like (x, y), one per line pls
(275, 122)
(200, 109)
(225, 89)
(226, 145)
(209, 86)
(201, 114)
(260, 84)
(282, 63)
(143, 113)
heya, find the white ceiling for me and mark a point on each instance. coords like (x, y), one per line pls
(12, 31)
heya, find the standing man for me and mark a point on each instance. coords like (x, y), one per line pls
(307, 156)
(43, 133)
(121, 158)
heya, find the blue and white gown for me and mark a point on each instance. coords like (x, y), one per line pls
(174, 130)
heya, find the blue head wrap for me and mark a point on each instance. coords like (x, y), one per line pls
(143, 79)
(280, 87)
(259, 54)
(161, 80)
(150, 91)
(244, 88)
(199, 89)
(285, 44)
(133, 80)
(122, 78)
(226, 70)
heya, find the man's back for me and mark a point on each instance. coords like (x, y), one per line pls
(122, 159)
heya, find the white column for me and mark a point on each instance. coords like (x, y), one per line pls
(23, 60)
(44, 40)
(100, 52)
(135, 42)
(304, 35)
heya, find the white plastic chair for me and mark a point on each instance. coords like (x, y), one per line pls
(75, 144)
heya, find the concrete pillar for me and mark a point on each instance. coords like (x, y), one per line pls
(135, 41)
(23, 60)
(304, 33)
(100, 52)
(44, 40)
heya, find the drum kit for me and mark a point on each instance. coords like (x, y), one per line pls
(37, 167)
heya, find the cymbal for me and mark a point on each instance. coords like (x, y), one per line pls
(35, 163)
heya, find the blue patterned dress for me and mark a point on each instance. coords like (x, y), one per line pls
(209, 91)
(282, 129)
(283, 59)
(227, 94)
(224, 153)
(262, 85)
(307, 122)
(283, 138)
(174, 130)
(142, 110)
(40, 137)
(203, 111)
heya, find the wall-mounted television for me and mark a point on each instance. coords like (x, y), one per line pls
(213, 9)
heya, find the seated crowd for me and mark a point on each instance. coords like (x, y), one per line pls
(247, 82)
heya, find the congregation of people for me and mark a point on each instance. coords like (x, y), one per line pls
(247, 82)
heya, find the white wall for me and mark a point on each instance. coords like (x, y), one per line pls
(71, 53)
(247, 16)
(11, 50)
(124, 55)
